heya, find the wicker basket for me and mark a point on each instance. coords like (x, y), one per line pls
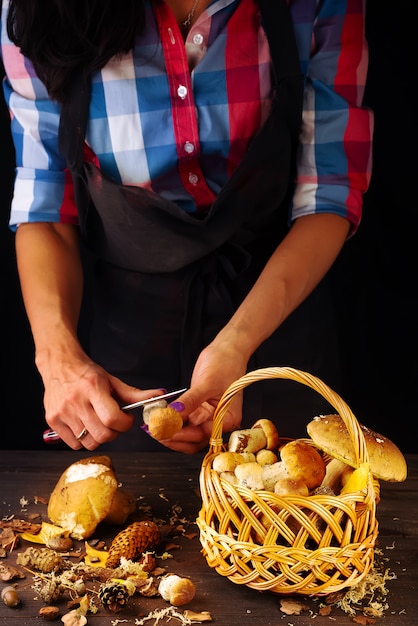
(309, 545)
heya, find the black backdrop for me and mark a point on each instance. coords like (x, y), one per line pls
(374, 278)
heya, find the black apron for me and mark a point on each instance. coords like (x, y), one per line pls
(165, 282)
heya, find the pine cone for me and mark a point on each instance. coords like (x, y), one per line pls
(133, 541)
(114, 595)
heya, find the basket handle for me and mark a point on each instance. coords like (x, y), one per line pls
(355, 432)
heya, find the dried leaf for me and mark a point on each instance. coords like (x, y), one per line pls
(290, 606)
(45, 534)
(8, 572)
(20, 525)
(74, 618)
(8, 539)
(40, 499)
(95, 558)
(324, 611)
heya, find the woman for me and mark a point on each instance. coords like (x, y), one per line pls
(218, 159)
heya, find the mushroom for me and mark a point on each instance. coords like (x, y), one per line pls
(270, 431)
(266, 457)
(164, 423)
(330, 434)
(247, 440)
(263, 434)
(272, 473)
(227, 461)
(123, 505)
(229, 477)
(176, 590)
(303, 461)
(150, 407)
(336, 475)
(291, 486)
(83, 496)
(250, 475)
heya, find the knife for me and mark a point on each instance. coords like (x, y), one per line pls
(50, 436)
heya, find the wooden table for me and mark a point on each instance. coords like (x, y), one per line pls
(163, 480)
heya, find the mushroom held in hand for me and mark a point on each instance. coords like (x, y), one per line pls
(164, 423)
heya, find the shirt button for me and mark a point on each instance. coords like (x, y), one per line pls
(193, 179)
(182, 91)
(198, 39)
(188, 147)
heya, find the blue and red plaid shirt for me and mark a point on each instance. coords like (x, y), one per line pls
(176, 117)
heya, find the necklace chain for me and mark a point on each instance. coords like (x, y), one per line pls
(187, 22)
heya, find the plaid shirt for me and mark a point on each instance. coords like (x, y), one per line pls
(177, 119)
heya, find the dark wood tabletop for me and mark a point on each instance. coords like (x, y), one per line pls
(162, 482)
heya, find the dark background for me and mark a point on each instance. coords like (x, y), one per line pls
(374, 279)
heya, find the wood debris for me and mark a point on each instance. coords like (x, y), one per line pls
(290, 606)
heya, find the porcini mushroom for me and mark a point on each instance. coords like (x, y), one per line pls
(304, 462)
(83, 496)
(291, 487)
(164, 423)
(227, 461)
(250, 475)
(270, 431)
(331, 435)
(247, 440)
(176, 590)
(150, 407)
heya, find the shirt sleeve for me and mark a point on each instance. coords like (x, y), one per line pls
(43, 188)
(334, 160)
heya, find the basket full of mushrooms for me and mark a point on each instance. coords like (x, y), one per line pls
(294, 516)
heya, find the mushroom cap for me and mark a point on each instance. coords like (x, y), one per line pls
(331, 435)
(164, 423)
(270, 431)
(291, 486)
(150, 407)
(227, 461)
(266, 457)
(250, 475)
(83, 496)
(176, 590)
(304, 462)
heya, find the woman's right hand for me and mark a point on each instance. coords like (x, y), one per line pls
(81, 396)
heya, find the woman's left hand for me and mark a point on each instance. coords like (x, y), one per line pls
(197, 405)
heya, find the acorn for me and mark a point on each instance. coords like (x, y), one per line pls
(10, 597)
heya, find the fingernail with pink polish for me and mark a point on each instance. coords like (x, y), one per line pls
(177, 406)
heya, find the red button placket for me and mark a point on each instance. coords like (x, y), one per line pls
(183, 108)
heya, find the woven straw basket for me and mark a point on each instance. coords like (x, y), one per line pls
(311, 545)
